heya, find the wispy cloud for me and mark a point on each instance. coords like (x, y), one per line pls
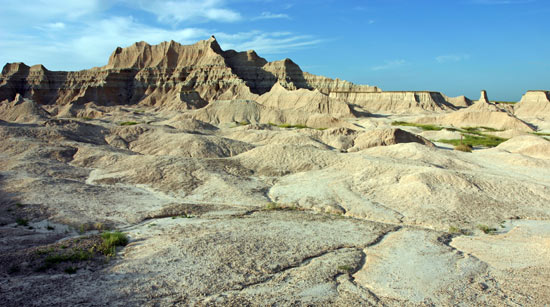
(452, 58)
(266, 42)
(269, 15)
(390, 65)
(175, 12)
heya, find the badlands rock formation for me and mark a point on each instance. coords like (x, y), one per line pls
(242, 182)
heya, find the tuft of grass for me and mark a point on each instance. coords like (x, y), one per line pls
(479, 140)
(463, 147)
(19, 205)
(277, 206)
(486, 229)
(297, 126)
(129, 123)
(505, 102)
(71, 270)
(22, 222)
(421, 126)
(458, 231)
(346, 268)
(243, 123)
(111, 240)
(87, 118)
(541, 133)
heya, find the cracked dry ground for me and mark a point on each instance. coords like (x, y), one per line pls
(201, 232)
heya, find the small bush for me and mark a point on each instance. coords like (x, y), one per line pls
(346, 268)
(22, 222)
(463, 147)
(486, 229)
(71, 270)
(129, 123)
(111, 240)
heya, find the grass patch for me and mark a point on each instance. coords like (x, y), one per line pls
(459, 231)
(486, 229)
(288, 126)
(243, 123)
(70, 270)
(87, 118)
(505, 102)
(111, 240)
(346, 268)
(421, 126)
(22, 222)
(476, 140)
(463, 147)
(129, 123)
(541, 133)
(277, 206)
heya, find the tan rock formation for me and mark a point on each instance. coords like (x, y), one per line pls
(21, 110)
(396, 102)
(385, 137)
(534, 104)
(483, 97)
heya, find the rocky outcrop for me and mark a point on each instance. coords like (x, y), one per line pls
(483, 97)
(180, 77)
(396, 102)
(534, 104)
(386, 137)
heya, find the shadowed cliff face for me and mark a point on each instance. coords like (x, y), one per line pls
(159, 74)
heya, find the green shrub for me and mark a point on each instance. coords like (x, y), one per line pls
(111, 240)
(129, 123)
(421, 126)
(486, 229)
(463, 147)
(22, 222)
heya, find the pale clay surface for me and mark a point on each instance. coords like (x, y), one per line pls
(373, 212)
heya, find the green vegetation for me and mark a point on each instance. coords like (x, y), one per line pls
(243, 123)
(463, 147)
(421, 126)
(87, 118)
(297, 126)
(111, 240)
(486, 229)
(458, 231)
(71, 270)
(129, 123)
(541, 133)
(277, 206)
(22, 222)
(479, 140)
(346, 268)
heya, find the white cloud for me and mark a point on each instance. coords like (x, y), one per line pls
(175, 12)
(269, 15)
(452, 58)
(390, 65)
(266, 42)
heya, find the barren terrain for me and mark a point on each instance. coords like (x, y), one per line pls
(273, 187)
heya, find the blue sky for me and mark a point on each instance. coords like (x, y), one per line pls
(457, 47)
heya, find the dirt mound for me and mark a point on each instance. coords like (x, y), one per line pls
(529, 145)
(303, 100)
(22, 110)
(480, 114)
(534, 104)
(385, 137)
